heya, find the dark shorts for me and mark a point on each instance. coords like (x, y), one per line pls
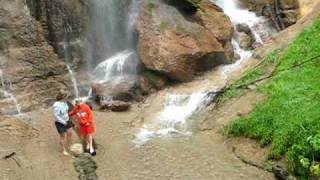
(61, 128)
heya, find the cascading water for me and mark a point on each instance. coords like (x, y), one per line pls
(66, 53)
(74, 81)
(239, 16)
(8, 96)
(259, 27)
(173, 118)
(178, 108)
(121, 64)
(110, 48)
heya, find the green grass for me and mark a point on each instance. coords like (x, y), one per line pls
(289, 121)
(256, 73)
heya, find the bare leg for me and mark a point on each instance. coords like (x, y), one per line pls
(90, 143)
(69, 138)
(63, 141)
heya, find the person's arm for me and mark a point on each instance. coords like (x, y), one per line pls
(73, 111)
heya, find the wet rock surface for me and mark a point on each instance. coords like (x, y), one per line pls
(121, 88)
(63, 23)
(173, 44)
(283, 13)
(213, 18)
(31, 69)
(115, 105)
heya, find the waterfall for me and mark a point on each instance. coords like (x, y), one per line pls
(74, 81)
(66, 54)
(179, 107)
(173, 118)
(258, 25)
(122, 63)
(110, 48)
(7, 95)
(238, 16)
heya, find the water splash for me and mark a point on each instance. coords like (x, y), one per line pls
(7, 95)
(243, 16)
(13, 99)
(2, 79)
(66, 53)
(111, 29)
(258, 25)
(121, 64)
(74, 81)
(172, 120)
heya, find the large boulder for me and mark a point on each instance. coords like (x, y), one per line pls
(245, 41)
(173, 44)
(31, 69)
(218, 23)
(121, 88)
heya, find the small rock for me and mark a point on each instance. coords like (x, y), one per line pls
(116, 105)
(245, 41)
(243, 28)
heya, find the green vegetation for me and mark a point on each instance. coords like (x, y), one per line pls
(289, 121)
(152, 77)
(256, 73)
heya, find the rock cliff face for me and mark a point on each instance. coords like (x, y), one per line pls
(63, 23)
(31, 69)
(179, 44)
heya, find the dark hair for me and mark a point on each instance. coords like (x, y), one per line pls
(61, 95)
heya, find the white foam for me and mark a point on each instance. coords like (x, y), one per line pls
(113, 66)
(13, 99)
(74, 81)
(172, 120)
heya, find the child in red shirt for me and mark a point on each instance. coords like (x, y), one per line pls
(87, 127)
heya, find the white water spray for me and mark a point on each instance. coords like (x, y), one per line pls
(13, 99)
(74, 81)
(7, 95)
(243, 16)
(66, 53)
(173, 118)
(122, 63)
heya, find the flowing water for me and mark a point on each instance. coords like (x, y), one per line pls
(238, 15)
(74, 81)
(8, 97)
(110, 48)
(178, 107)
(67, 54)
(121, 64)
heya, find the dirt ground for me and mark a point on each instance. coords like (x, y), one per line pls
(200, 156)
